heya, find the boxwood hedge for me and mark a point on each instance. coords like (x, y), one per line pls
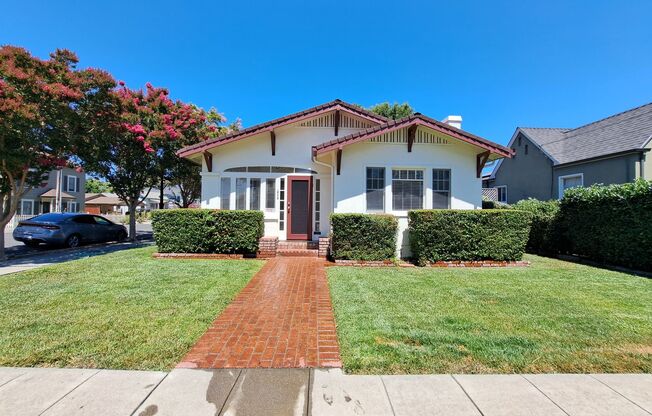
(543, 237)
(611, 224)
(445, 235)
(363, 236)
(207, 231)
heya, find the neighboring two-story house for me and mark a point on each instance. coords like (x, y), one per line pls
(63, 191)
(551, 160)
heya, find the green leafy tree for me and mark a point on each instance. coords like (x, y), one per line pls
(392, 111)
(97, 186)
(39, 121)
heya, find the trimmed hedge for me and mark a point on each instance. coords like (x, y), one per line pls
(445, 235)
(611, 224)
(207, 231)
(363, 236)
(488, 204)
(543, 237)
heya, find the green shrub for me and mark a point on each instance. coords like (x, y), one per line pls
(488, 204)
(207, 231)
(363, 236)
(611, 224)
(543, 233)
(444, 235)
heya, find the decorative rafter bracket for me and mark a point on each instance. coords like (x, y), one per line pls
(208, 158)
(272, 137)
(411, 134)
(339, 160)
(481, 160)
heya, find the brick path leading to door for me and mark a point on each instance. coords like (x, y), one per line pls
(283, 318)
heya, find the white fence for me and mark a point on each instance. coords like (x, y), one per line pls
(15, 220)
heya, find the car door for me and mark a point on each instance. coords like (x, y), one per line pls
(104, 229)
(85, 226)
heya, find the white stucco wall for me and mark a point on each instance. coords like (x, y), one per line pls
(459, 157)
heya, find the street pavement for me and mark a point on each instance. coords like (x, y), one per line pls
(72, 392)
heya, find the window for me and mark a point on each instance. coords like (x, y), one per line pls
(441, 188)
(375, 189)
(407, 189)
(26, 207)
(502, 193)
(71, 184)
(281, 205)
(526, 149)
(570, 181)
(270, 193)
(317, 206)
(241, 193)
(519, 140)
(225, 193)
(254, 194)
(72, 206)
(102, 221)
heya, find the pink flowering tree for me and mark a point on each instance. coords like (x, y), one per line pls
(135, 138)
(39, 121)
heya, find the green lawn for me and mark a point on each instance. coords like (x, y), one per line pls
(120, 310)
(554, 316)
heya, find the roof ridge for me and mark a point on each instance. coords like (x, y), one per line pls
(611, 116)
(545, 128)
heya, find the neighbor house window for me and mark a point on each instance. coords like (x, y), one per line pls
(241, 193)
(72, 206)
(254, 194)
(225, 193)
(502, 193)
(71, 184)
(26, 207)
(570, 181)
(375, 189)
(407, 189)
(441, 188)
(270, 193)
(526, 149)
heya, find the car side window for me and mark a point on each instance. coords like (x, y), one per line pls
(83, 219)
(101, 221)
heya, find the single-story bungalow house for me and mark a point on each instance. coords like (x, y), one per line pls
(338, 157)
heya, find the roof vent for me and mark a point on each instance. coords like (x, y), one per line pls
(453, 121)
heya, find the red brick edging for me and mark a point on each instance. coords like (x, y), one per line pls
(212, 256)
(454, 264)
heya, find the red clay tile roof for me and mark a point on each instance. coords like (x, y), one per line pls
(418, 119)
(292, 118)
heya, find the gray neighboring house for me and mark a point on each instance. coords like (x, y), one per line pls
(550, 160)
(63, 191)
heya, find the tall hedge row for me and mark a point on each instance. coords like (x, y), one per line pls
(444, 235)
(610, 224)
(544, 231)
(363, 236)
(207, 231)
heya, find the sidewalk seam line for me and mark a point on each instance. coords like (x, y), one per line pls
(149, 394)
(308, 402)
(619, 393)
(235, 382)
(391, 405)
(467, 394)
(546, 396)
(70, 391)
(12, 379)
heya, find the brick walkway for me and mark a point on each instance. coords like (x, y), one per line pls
(282, 318)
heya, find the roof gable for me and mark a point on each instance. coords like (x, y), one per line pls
(282, 121)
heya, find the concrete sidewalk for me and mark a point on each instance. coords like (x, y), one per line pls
(40, 391)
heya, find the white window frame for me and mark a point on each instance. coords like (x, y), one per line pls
(74, 183)
(561, 189)
(72, 203)
(431, 190)
(498, 193)
(31, 201)
(424, 183)
(384, 208)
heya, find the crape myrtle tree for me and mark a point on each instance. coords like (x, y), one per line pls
(39, 120)
(135, 136)
(392, 111)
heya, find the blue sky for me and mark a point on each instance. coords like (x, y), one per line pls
(499, 64)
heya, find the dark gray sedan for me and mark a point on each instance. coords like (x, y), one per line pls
(69, 230)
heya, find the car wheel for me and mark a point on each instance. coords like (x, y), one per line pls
(122, 236)
(73, 241)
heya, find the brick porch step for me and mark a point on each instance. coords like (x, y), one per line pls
(298, 245)
(297, 252)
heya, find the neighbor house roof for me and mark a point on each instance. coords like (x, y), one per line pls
(627, 131)
(416, 119)
(270, 125)
(52, 193)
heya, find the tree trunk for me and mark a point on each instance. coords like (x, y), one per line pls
(3, 256)
(161, 204)
(132, 221)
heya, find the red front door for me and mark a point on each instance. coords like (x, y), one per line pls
(299, 208)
